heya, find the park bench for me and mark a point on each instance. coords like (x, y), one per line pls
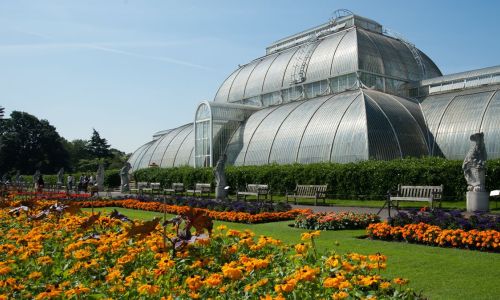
(139, 187)
(177, 188)
(257, 190)
(200, 189)
(309, 191)
(151, 188)
(419, 193)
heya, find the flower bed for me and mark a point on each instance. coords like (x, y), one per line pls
(240, 217)
(447, 219)
(252, 207)
(46, 195)
(335, 221)
(72, 259)
(486, 240)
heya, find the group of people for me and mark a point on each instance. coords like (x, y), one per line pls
(83, 182)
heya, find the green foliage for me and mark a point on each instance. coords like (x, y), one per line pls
(28, 144)
(86, 156)
(366, 180)
(98, 147)
(112, 178)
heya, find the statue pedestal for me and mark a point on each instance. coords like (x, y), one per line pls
(478, 201)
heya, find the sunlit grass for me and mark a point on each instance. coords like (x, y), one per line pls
(441, 273)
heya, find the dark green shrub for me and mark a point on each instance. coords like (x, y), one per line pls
(363, 180)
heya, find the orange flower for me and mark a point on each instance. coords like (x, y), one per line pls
(301, 248)
(194, 282)
(214, 279)
(45, 260)
(309, 235)
(148, 289)
(76, 291)
(400, 281)
(232, 272)
(340, 295)
(35, 275)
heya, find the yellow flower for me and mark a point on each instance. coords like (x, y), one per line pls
(148, 289)
(45, 260)
(400, 281)
(309, 235)
(76, 291)
(340, 295)
(287, 287)
(232, 272)
(221, 227)
(35, 275)
(301, 248)
(334, 282)
(50, 292)
(5, 270)
(113, 274)
(214, 279)
(232, 232)
(194, 282)
(81, 254)
(333, 261)
(385, 285)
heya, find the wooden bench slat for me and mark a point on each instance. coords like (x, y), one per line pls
(257, 190)
(418, 193)
(309, 191)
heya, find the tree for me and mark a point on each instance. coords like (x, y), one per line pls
(98, 147)
(77, 150)
(28, 144)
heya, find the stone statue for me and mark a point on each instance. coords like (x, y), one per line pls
(125, 184)
(220, 178)
(474, 165)
(100, 178)
(18, 177)
(36, 176)
(60, 177)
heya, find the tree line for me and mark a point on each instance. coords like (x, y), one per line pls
(28, 144)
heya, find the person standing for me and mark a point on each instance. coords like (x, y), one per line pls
(71, 182)
(40, 183)
(81, 181)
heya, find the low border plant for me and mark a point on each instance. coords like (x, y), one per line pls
(422, 233)
(335, 220)
(453, 219)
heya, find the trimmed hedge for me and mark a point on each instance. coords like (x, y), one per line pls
(362, 180)
(111, 177)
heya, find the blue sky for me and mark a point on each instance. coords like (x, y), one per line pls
(129, 68)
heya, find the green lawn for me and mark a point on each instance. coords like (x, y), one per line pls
(440, 273)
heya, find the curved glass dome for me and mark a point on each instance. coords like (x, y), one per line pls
(338, 92)
(350, 126)
(320, 66)
(172, 148)
(453, 117)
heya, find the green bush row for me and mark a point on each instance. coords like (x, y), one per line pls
(111, 178)
(362, 180)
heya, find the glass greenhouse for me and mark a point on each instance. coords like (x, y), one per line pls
(343, 91)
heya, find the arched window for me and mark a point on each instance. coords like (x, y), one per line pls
(203, 136)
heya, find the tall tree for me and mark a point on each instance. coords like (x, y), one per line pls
(98, 147)
(28, 144)
(77, 150)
